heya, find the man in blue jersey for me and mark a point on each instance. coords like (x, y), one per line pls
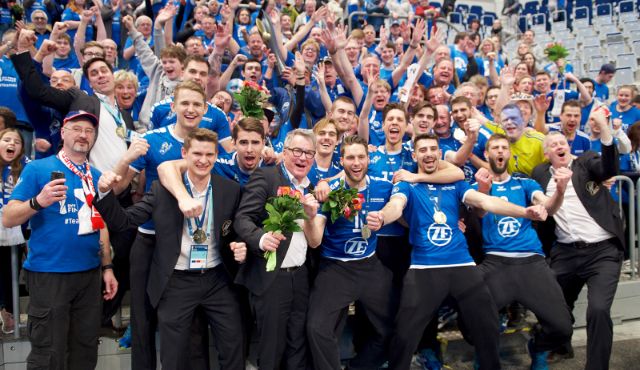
(514, 266)
(349, 268)
(146, 154)
(195, 69)
(326, 131)
(441, 265)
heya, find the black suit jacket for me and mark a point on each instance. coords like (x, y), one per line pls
(162, 207)
(589, 171)
(263, 185)
(63, 101)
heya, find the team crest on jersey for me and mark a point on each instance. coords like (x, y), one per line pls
(356, 247)
(165, 147)
(508, 227)
(592, 188)
(439, 234)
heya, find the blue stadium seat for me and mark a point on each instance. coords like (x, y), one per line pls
(488, 19)
(455, 18)
(462, 8)
(477, 10)
(530, 7)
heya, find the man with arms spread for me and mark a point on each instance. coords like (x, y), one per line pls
(440, 262)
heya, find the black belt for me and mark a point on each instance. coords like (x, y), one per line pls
(194, 272)
(290, 269)
(583, 245)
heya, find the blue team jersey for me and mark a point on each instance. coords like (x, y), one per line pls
(376, 134)
(460, 61)
(568, 95)
(9, 89)
(383, 164)
(69, 15)
(227, 166)
(163, 146)
(343, 239)
(318, 173)
(580, 143)
(55, 245)
(506, 234)
(451, 144)
(434, 244)
(214, 119)
(601, 91)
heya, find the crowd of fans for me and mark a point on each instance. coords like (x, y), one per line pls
(135, 71)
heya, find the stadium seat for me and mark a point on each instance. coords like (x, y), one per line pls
(488, 19)
(477, 10)
(462, 8)
(636, 47)
(624, 76)
(530, 7)
(627, 60)
(455, 18)
(613, 50)
(590, 41)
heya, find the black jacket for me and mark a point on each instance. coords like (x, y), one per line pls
(158, 204)
(589, 171)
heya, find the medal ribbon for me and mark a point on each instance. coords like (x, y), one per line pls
(117, 117)
(208, 207)
(87, 187)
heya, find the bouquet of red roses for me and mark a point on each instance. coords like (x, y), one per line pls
(343, 202)
(252, 98)
(283, 210)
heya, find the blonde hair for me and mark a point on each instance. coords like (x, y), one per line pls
(124, 75)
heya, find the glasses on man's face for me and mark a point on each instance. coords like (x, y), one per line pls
(79, 130)
(297, 152)
(90, 54)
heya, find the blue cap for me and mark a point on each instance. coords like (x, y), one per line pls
(77, 115)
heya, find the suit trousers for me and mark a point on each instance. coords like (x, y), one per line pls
(598, 266)
(337, 285)
(143, 315)
(185, 292)
(423, 292)
(281, 316)
(530, 281)
(64, 319)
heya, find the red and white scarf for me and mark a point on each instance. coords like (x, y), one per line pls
(87, 188)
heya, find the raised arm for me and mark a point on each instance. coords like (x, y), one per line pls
(80, 38)
(460, 157)
(335, 41)
(541, 104)
(101, 31)
(501, 207)
(363, 119)
(585, 98)
(446, 173)
(322, 88)
(507, 79)
(407, 58)
(45, 56)
(37, 90)
(170, 175)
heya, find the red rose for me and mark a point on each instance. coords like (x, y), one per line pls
(347, 212)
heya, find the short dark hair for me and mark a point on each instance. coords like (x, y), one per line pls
(174, 51)
(353, 140)
(461, 99)
(570, 103)
(250, 124)
(421, 106)
(196, 58)
(89, 63)
(426, 136)
(9, 116)
(493, 138)
(201, 134)
(391, 106)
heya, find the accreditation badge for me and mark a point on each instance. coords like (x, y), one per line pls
(198, 256)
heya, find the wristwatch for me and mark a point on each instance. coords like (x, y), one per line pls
(33, 203)
(107, 267)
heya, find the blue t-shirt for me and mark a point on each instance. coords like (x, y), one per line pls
(376, 134)
(580, 143)
(9, 89)
(71, 61)
(214, 119)
(55, 245)
(509, 234)
(70, 15)
(460, 61)
(434, 244)
(601, 91)
(163, 146)
(343, 239)
(318, 173)
(628, 118)
(451, 144)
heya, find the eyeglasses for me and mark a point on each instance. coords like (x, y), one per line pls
(79, 130)
(297, 152)
(93, 55)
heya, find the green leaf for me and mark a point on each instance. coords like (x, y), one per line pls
(271, 260)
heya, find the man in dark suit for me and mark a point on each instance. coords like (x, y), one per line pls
(280, 297)
(193, 261)
(590, 235)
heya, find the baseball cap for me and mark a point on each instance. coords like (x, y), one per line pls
(326, 59)
(77, 115)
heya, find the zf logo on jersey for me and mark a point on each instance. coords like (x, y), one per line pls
(508, 227)
(439, 234)
(356, 246)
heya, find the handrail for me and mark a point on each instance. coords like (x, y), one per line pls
(15, 290)
(363, 13)
(631, 218)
